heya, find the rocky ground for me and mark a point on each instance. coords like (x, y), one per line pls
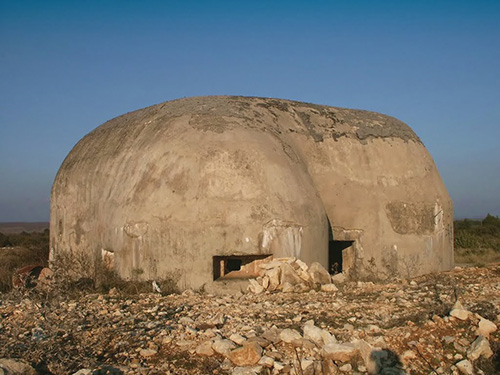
(403, 326)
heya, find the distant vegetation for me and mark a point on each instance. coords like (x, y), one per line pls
(31, 240)
(477, 241)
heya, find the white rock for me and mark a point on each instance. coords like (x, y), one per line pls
(205, 349)
(278, 365)
(288, 275)
(237, 338)
(328, 338)
(365, 350)
(255, 287)
(465, 367)
(288, 335)
(339, 278)
(186, 320)
(480, 347)
(313, 333)
(319, 274)
(223, 346)
(459, 312)
(304, 276)
(303, 266)
(266, 361)
(265, 282)
(147, 352)
(329, 288)
(288, 288)
(274, 278)
(305, 363)
(246, 370)
(486, 327)
(346, 368)
(83, 371)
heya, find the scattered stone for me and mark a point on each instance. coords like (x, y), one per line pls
(480, 347)
(237, 339)
(313, 333)
(246, 371)
(146, 353)
(205, 349)
(255, 287)
(459, 312)
(305, 363)
(339, 278)
(465, 367)
(329, 288)
(329, 368)
(346, 368)
(339, 352)
(223, 346)
(288, 275)
(272, 335)
(84, 371)
(189, 327)
(248, 355)
(318, 274)
(289, 335)
(266, 361)
(16, 367)
(486, 327)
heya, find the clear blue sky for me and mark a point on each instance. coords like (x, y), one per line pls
(68, 66)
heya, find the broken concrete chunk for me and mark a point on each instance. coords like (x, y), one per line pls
(288, 275)
(319, 274)
(255, 287)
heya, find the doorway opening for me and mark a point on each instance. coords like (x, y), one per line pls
(233, 266)
(336, 252)
(335, 255)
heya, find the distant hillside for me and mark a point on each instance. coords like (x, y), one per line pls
(18, 227)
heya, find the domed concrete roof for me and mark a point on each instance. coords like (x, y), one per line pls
(168, 188)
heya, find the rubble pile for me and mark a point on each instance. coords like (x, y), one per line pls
(437, 324)
(290, 275)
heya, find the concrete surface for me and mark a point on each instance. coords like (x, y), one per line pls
(168, 187)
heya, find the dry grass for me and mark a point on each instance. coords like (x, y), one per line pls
(476, 257)
(14, 258)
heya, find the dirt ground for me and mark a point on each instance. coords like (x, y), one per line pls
(162, 334)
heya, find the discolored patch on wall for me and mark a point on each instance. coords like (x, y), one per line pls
(411, 218)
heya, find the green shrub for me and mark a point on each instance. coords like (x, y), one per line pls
(478, 234)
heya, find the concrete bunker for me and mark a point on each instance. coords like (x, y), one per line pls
(172, 189)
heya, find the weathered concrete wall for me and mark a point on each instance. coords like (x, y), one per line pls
(167, 187)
